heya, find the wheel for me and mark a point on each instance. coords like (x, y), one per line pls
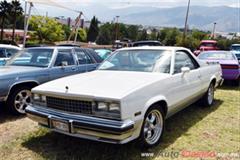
(152, 128)
(208, 98)
(19, 99)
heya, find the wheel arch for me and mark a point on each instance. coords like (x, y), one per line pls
(30, 83)
(213, 80)
(161, 101)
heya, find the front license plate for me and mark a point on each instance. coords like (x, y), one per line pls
(62, 126)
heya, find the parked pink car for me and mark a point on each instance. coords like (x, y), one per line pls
(206, 45)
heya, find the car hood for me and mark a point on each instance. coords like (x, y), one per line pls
(9, 70)
(100, 84)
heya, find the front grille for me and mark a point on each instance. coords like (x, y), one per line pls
(68, 105)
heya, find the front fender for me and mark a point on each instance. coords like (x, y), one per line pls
(152, 101)
(20, 82)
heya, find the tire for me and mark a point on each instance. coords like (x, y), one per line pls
(18, 100)
(152, 130)
(208, 98)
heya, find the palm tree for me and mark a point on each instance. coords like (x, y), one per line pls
(4, 12)
(16, 11)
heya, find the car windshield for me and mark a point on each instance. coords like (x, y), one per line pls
(236, 48)
(216, 55)
(139, 60)
(238, 56)
(32, 57)
(103, 53)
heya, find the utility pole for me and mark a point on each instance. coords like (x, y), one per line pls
(214, 30)
(186, 23)
(117, 27)
(27, 22)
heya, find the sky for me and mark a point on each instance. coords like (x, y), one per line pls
(152, 3)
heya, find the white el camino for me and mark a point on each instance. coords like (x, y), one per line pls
(128, 97)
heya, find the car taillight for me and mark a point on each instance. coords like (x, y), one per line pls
(230, 66)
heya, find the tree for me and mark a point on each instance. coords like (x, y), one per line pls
(67, 31)
(93, 30)
(47, 29)
(132, 32)
(82, 35)
(16, 11)
(171, 37)
(143, 35)
(199, 34)
(4, 13)
(154, 34)
(104, 37)
(163, 33)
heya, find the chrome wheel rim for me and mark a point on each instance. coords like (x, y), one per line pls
(210, 95)
(22, 100)
(153, 127)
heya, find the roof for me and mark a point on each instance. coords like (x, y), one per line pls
(154, 48)
(52, 47)
(147, 41)
(9, 46)
(235, 44)
(208, 41)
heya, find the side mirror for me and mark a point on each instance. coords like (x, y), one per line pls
(185, 70)
(64, 63)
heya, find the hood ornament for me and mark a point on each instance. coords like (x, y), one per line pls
(67, 88)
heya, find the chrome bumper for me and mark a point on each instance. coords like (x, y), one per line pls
(98, 129)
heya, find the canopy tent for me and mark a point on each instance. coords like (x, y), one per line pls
(51, 3)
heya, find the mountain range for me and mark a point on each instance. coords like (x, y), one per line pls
(200, 17)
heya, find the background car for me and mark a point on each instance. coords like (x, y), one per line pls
(146, 43)
(235, 48)
(7, 51)
(103, 53)
(206, 45)
(228, 61)
(35, 66)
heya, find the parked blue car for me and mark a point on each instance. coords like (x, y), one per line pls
(7, 51)
(34, 66)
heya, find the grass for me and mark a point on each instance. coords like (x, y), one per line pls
(196, 128)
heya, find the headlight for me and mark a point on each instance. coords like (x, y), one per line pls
(39, 99)
(114, 108)
(36, 97)
(107, 109)
(102, 106)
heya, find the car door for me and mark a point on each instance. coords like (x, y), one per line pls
(185, 86)
(64, 65)
(85, 62)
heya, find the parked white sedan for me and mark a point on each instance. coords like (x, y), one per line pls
(128, 97)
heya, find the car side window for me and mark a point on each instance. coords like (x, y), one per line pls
(82, 57)
(182, 59)
(164, 64)
(64, 58)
